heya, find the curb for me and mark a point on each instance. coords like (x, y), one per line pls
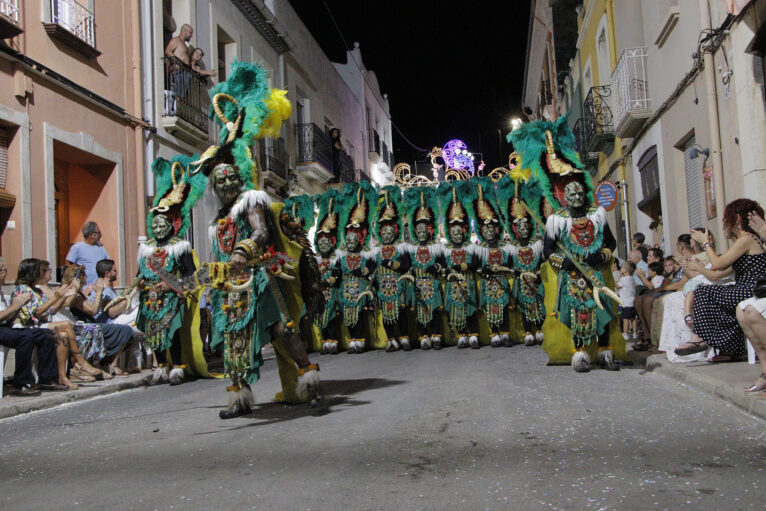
(751, 404)
(52, 399)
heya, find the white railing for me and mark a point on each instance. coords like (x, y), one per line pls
(630, 84)
(75, 18)
(10, 8)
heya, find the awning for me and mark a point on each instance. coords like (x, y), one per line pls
(7, 200)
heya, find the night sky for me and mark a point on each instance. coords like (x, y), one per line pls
(450, 69)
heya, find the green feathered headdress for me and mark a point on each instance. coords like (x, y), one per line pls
(327, 215)
(390, 210)
(482, 208)
(453, 195)
(553, 163)
(176, 192)
(420, 204)
(245, 108)
(358, 206)
(301, 207)
(510, 190)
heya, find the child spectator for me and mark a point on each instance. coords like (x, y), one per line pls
(626, 288)
(656, 276)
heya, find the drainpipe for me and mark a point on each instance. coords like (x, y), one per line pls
(147, 61)
(137, 130)
(714, 125)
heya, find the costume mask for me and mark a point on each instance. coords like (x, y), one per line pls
(388, 234)
(161, 227)
(523, 228)
(352, 241)
(227, 183)
(489, 232)
(324, 245)
(421, 232)
(574, 194)
(457, 235)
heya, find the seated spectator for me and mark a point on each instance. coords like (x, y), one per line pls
(38, 312)
(115, 336)
(714, 310)
(24, 341)
(89, 336)
(638, 258)
(751, 315)
(664, 278)
(106, 269)
(88, 252)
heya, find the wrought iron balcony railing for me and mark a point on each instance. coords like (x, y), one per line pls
(314, 145)
(386, 155)
(11, 9)
(274, 156)
(630, 86)
(345, 171)
(374, 141)
(599, 123)
(186, 95)
(76, 18)
(586, 157)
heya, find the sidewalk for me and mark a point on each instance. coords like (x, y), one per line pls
(727, 381)
(11, 406)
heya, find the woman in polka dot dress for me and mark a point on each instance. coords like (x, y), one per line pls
(714, 312)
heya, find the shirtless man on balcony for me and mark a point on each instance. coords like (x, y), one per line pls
(178, 48)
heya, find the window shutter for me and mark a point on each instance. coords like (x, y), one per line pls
(693, 183)
(3, 157)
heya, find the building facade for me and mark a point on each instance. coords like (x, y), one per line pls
(71, 129)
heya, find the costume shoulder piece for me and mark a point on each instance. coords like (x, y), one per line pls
(549, 151)
(390, 210)
(358, 204)
(421, 206)
(176, 193)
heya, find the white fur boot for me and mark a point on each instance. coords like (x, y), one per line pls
(539, 337)
(606, 359)
(360, 345)
(506, 339)
(160, 375)
(581, 362)
(308, 386)
(436, 342)
(392, 345)
(473, 342)
(425, 343)
(462, 342)
(404, 342)
(529, 339)
(241, 402)
(496, 341)
(176, 376)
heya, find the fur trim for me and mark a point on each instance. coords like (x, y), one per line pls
(605, 357)
(309, 378)
(496, 340)
(176, 376)
(540, 337)
(160, 375)
(244, 396)
(175, 249)
(529, 340)
(558, 222)
(473, 341)
(580, 356)
(248, 200)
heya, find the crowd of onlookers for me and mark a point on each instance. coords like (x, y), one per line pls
(700, 303)
(77, 337)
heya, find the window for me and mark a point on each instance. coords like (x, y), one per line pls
(73, 23)
(4, 139)
(693, 184)
(648, 167)
(227, 53)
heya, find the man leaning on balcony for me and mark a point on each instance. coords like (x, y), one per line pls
(177, 53)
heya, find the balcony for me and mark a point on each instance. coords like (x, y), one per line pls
(599, 123)
(74, 25)
(9, 19)
(314, 159)
(589, 159)
(373, 145)
(385, 154)
(632, 104)
(186, 102)
(362, 175)
(345, 171)
(274, 161)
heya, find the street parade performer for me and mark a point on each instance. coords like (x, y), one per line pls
(326, 243)
(526, 254)
(493, 283)
(427, 262)
(296, 220)
(578, 245)
(250, 312)
(358, 203)
(394, 293)
(461, 261)
(170, 321)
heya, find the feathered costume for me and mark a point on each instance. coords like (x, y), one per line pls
(493, 286)
(394, 293)
(548, 151)
(461, 260)
(327, 232)
(421, 206)
(244, 320)
(525, 248)
(170, 321)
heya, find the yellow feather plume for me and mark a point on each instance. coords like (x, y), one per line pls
(517, 173)
(279, 111)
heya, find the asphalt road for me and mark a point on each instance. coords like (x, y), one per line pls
(486, 429)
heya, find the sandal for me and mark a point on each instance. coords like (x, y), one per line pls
(696, 347)
(689, 320)
(116, 371)
(84, 370)
(642, 345)
(757, 388)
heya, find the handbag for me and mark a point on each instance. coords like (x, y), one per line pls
(760, 288)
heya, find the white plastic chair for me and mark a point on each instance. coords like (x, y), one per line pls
(3, 352)
(750, 352)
